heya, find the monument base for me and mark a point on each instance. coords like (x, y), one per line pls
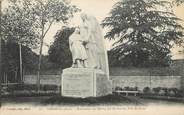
(85, 82)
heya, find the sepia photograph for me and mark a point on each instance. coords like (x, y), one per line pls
(92, 56)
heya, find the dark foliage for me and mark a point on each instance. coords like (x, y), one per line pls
(179, 2)
(162, 92)
(144, 35)
(109, 99)
(10, 59)
(146, 90)
(59, 52)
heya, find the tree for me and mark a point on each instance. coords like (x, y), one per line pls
(144, 35)
(45, 13)
(0, 46)
(17, 27)
(10, 60)
(59, 52)
(179, 2)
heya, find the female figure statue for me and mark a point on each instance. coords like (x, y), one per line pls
(96, 52)
(79, 55)
(91, 48)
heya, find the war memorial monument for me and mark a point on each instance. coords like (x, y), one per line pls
(89, 74)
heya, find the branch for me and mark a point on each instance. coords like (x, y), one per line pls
(48, 28)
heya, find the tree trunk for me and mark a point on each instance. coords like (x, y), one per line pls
(40, 59)
(39, 66)
(16, 75)
(0, 53)
(41, 47)
(6, 79)
(20, 56)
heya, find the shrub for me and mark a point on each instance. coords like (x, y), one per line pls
(178, 92)
(49, 87)
(126, 88)
(156, 90)
(163, 91)
(172, 93)
(146, 90)
(166, 91)
(30, 87)
(136, 88)
(130, 88)
(4, 90)
(118, 88)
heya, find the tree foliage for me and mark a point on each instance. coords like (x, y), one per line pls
(144, 34)
(44, 13)
(59, 52)
(17, 25)
(10, 59)
(16, 28)
(179, 2)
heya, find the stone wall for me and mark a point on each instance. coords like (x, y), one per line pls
(122, 81)
(44, 79)
(147, 81)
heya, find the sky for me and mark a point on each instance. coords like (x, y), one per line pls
(100, 9)
(97, 8)
(176, 50)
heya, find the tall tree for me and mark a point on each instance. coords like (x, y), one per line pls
(59, 52)
(45, 13)
(17, 27)
(0, 49)
(11, 62)
(144, 34)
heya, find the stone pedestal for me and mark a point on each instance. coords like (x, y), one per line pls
(84, 82)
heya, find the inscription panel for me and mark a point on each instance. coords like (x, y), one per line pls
(77, 84)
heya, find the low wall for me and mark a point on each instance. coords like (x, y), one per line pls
(147, 81)
(44, 79)
(122, 81)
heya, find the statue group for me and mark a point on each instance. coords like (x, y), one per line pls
(89, 73)
(87, 45)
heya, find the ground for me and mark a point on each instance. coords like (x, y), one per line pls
(65, 101)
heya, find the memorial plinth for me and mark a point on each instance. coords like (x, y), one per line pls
(85, 82)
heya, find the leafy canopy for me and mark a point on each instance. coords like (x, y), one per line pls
(28, 21)
(179, 2)
(10, 57)
(59, 52)
(144, 35)
(17, 26)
